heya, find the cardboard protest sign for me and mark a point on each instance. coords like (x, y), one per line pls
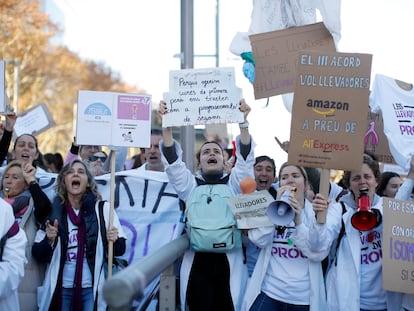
(330, 108)
(202, 96)
(375, 140)
(398, 246)
(34, 121)
(275, 54)
(113, 119)
(250, 209)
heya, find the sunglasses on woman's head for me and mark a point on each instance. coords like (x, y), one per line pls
(95, 158)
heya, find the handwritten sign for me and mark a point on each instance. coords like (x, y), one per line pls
(202, 96)
(117, 119)
(276, 55)
(398, 246)
(250, 209)
(330, 108)
(34, 121)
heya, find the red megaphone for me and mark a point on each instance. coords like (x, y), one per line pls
(365, 219)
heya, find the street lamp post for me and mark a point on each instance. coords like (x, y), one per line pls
(16, 82)
(187, 133)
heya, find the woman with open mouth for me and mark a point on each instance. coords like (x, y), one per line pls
(288, 272)
(30, 206)
(26, 150)
(71, 242)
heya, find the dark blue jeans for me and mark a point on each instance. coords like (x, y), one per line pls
(265, 303)
(87, 299)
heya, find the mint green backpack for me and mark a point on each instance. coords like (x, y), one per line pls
(210, 223)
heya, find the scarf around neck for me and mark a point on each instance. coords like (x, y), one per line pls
(77, 283)
(20, 203)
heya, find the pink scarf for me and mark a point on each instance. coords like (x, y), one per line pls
(77, 289)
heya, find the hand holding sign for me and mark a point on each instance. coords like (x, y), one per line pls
(250, 207)
(202, 96)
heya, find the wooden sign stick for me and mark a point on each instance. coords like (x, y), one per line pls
(324, 190)
(111, 212)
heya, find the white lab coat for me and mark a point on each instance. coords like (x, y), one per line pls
(343, 278)
(45, 292)
(184, 182)
(313, 239)
(14, 259)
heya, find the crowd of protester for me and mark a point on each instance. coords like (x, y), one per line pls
(53, 254)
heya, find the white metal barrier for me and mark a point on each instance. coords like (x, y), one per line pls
(129, 284)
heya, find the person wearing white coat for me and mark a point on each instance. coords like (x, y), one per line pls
(71, 243)
(210, 281)
(288, 273)
(13, 261)
(354, 279)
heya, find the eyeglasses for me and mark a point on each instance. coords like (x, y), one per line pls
(95, 158)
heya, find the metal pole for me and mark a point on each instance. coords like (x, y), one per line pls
(16, 64)
(187, 133)
(120, 290)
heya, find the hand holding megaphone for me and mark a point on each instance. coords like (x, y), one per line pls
(282, 211)
(365, 218)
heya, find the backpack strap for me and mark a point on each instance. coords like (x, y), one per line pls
(14, 229)
(2, 243)
(341, 194)
(223, 180)
(341, 233)
(27, 214)
(103, 228)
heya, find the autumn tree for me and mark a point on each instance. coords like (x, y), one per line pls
(49, 73)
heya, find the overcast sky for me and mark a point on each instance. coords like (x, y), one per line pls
(139, 39)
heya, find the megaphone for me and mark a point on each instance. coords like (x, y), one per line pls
(365, 218)
(280, 212)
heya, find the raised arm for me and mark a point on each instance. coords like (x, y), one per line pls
(7, 136)
(42, 204)
(244, 126)
(179, 175)
(244, 152)
(167, 135)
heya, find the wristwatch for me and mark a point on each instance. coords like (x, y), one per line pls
(244, 125)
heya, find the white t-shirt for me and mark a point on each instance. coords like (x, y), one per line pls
(288, 271)
(71, 257)
(397, 109)
(373, 296)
